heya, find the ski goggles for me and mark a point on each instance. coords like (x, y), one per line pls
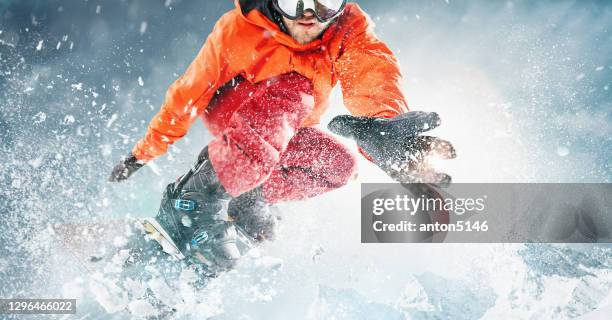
(324, 10)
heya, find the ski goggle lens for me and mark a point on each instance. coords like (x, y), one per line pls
(323, 9)
(327, 9)
(288, 7)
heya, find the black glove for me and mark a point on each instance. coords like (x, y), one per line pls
(396, 145)
(125, 169)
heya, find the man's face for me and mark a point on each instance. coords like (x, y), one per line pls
(306, 28)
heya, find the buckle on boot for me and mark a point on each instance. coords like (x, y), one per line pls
(200, 237)
(185, 205)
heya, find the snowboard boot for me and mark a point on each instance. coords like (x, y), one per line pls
(254, 215)
(193, 224)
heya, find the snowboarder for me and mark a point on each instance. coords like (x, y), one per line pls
(261, 83)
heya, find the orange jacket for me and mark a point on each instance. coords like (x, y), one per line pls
(255, 48)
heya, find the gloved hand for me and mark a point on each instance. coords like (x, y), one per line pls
(125, 168)
(396, 145)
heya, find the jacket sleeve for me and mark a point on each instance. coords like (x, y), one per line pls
(186, 98)
(369, 73)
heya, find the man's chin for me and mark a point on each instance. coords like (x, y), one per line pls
(304, 40)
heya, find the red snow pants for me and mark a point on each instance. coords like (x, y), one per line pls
(259, 141)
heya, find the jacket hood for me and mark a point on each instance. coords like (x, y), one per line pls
(261, 14)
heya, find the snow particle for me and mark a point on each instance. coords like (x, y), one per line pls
(143, 27)
(580, 77)
(106, 149)
(563, 151)
(186, 221)
(111, 120)
(142, 308)
(39, 46)
(35, 163)
(140, 81)
(119, 241)
(40, 117)
(3, 265)
(68, 120)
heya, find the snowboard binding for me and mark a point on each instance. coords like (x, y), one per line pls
(193, 224)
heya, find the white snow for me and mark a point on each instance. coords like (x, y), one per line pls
(106, 149)
(154, 168)
(186, 221)
(40, 117)
(2, 42)
(39, 46)
(73, 289)
(16, 183)
(68, 119)
(112, 119)
(563, 151)
(163, 292)
(143, 27)
(269, 262)
(414, 297)
(142, 309)
(136, 288)
(36, 162)
(140, 81)
(108, 294)
(119, 241)
(117, 261)
(194, 112)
